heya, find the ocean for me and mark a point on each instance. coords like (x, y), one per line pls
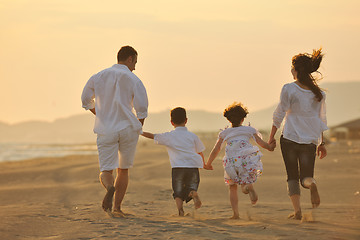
(22, 151)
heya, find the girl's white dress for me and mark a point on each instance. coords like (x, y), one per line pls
(242, 162)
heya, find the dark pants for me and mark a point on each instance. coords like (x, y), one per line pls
(299, 161)
(184, 180)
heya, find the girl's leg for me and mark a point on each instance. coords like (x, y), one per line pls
(234, 201)
(252, 194)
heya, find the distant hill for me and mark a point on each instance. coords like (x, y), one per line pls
(342, 105)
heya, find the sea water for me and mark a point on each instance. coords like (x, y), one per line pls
(22, 151)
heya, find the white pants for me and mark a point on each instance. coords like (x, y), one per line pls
(110, 145)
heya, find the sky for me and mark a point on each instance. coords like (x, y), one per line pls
(198, 54)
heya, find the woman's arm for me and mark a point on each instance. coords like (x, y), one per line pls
(321, 150)
(272, 134)
(214, 152)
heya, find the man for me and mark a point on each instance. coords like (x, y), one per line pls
(111, 95)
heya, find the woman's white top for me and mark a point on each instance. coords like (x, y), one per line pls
(305, 116)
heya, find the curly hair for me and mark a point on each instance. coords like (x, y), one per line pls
(235, 113)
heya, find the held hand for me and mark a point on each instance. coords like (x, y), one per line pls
(272, 144)
(321, 151)
(208, 167)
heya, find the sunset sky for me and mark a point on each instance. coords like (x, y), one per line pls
(196, 54)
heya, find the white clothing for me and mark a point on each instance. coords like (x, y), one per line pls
(109, 146)
(114, 92)
(183, 148)
(241, 162)
(305, 116)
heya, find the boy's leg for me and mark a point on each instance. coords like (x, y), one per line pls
(195, 196)
(192, 180)
(177, 175)
(179, 205)
(234, 201)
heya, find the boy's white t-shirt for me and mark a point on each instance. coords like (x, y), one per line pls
(183, 147)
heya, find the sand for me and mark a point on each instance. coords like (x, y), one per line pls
(60, 198)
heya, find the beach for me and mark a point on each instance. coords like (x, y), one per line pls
(60, 198)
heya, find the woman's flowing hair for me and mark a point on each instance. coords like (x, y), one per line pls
(305, 64)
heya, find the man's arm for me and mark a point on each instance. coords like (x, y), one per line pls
(88, 95)
(140, 102)
(148, 135)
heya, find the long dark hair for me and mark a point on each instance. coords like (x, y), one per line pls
(304, 65)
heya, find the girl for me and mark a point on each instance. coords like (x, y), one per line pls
(302, 103)
(242, 162)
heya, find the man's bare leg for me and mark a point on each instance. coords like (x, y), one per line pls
(121, 183)
(107, 180)
(234, 201)
(179, 205)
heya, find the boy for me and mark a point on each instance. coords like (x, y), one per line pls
(186, 157)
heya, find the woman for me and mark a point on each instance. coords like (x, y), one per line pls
(302, 104)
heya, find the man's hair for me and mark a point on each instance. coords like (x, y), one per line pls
(178, 115)
(126, 52)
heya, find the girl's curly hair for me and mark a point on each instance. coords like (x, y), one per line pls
(235, 113)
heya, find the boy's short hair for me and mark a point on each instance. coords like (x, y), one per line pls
(126, 52)
(178, 115)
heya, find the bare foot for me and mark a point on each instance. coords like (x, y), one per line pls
(245, 189)
(235, 216)
(181, 212)
(252, 194)
(196, 198)
(108, 199)
(295, 215)
(315, 198)
(120, 213)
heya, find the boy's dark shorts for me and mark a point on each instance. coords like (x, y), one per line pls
(185, 180)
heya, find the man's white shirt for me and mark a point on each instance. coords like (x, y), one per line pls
(114, 93)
